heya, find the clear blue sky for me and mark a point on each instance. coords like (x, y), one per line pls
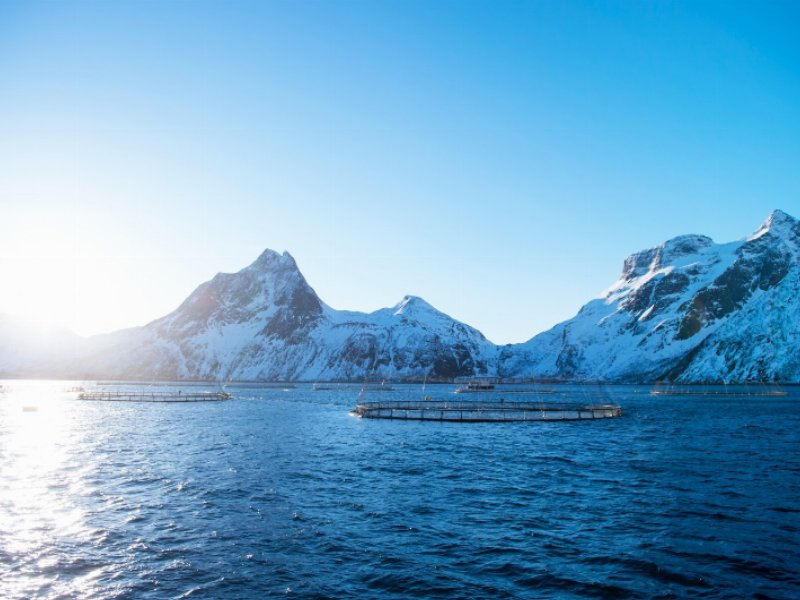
(499, 159)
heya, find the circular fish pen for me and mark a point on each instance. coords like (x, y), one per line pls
(432, 410)
(727, 392)
(142, 396)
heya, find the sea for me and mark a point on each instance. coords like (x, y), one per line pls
(281, 492)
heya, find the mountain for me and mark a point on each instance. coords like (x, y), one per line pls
(688, 310)
(266, 323)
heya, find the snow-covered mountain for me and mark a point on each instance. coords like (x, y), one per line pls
(687, 310)
(266, 323)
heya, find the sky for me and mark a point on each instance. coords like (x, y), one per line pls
(499, 159)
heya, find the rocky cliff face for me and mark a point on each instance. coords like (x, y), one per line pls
(687, 310)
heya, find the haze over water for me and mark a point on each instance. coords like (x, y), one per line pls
(283, 493)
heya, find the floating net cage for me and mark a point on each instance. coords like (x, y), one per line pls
(492, 400)
(153, 396)
(718, 389)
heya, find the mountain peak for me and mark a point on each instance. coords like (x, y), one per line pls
(652, 259)
(412, 303)
(270, 285)
(780, 215)
(778, 222)
(270, 260)
(685, 244)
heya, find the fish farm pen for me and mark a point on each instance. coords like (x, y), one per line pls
(433, 410)
(718, 392)
(140, 396)
(377, 387)
(265, 385)
(504, 391)
(519, 385)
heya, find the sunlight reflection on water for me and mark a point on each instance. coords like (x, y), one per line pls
(38, 485)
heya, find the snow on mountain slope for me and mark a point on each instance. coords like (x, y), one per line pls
(689, 310)
(266, 323)
(411, 339)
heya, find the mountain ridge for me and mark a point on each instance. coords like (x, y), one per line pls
(670, 304)
(688, 309)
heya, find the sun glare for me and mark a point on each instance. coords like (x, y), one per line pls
(36, 438)
(56, 274)
(33, 434)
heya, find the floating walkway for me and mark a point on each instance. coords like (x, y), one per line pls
(431, 410)
(140, 396)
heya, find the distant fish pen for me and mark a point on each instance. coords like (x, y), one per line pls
(434, 410)
(322, 387)
(266, 385)
(374, 386)
(718, 391)
(477, 385)
(142, 396)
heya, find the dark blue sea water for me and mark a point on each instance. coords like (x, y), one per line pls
(282, 493)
